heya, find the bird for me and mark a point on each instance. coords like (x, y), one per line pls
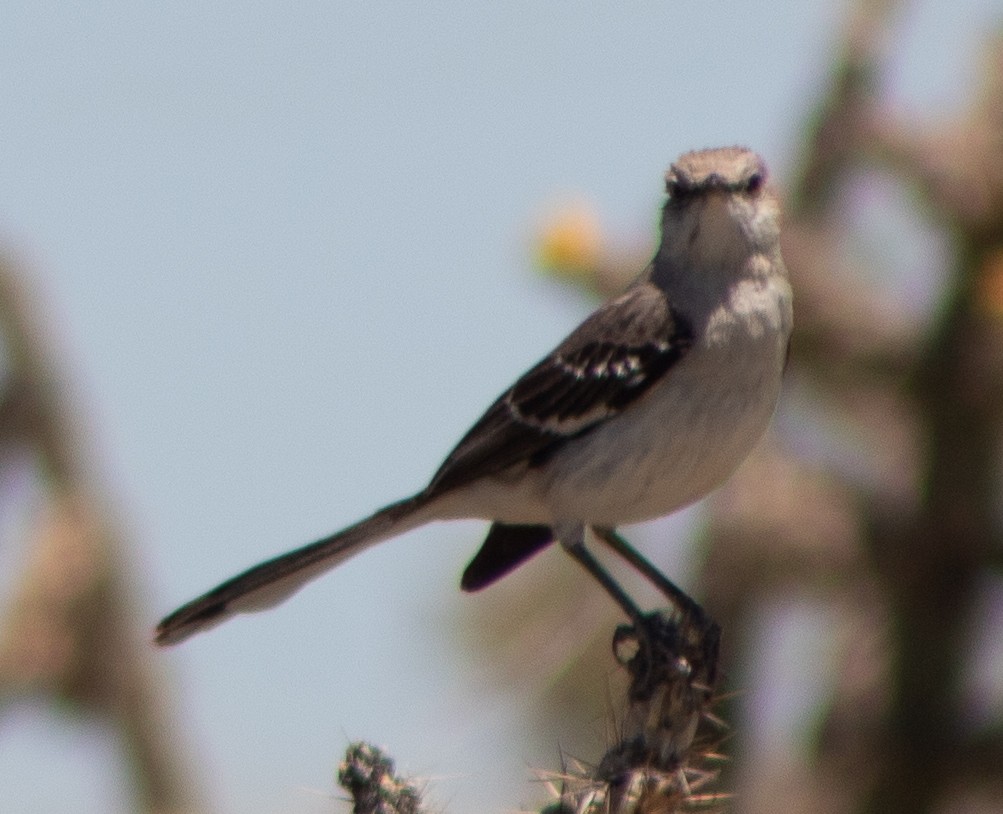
(646, 407)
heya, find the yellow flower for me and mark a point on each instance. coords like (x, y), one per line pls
(569, 243)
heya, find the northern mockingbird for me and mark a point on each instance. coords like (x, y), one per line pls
(646, 407)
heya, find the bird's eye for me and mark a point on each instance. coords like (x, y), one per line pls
(754, 183)
(675, 189)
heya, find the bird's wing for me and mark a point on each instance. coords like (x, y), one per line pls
(606, 363)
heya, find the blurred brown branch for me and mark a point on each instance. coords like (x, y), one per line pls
(69, 635)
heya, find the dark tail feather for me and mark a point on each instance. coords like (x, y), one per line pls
(273, 581)
(505, 547)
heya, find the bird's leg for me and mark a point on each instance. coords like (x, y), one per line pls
(682, 600)
(654, 634)
(572, 539)
(696, 627)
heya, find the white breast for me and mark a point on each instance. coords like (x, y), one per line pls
(690, 432)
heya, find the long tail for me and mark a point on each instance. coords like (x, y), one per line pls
(275, 580)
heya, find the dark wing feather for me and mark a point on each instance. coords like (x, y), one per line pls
(610, 360)
(505, 547)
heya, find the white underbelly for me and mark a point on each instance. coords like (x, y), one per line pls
(671, 447)
(676, 444)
